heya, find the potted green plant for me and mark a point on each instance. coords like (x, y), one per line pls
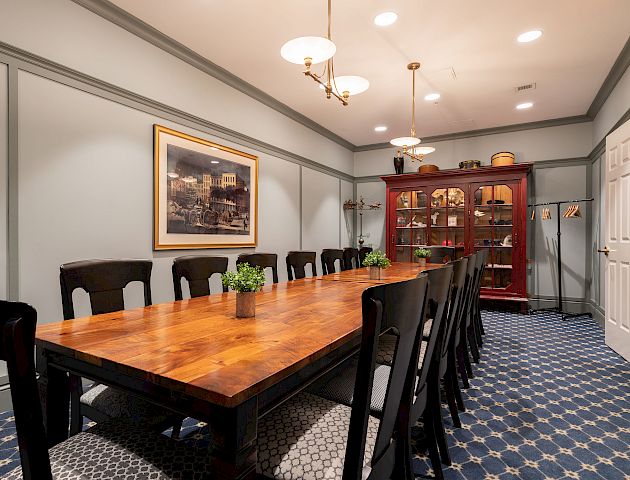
(246, 282)
(375, 261)
(422, 254)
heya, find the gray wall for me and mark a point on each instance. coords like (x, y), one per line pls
(85, 191)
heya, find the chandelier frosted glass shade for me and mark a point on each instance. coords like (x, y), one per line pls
(318, 49)
(352, 84)
(423, 150)
(405, 141)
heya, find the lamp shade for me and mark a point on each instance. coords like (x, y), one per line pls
(318, 49)
(405, 141)
(423, 150)
(351, 84)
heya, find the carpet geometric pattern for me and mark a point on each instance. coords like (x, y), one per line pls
(549, 401)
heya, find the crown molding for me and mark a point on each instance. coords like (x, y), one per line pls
(616, 72)
(19, 59)
(120, 17)
(134, 25)
(554, 122)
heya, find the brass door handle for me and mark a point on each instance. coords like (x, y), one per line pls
(605, 250)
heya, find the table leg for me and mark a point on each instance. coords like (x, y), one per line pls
(234, 441)
(54, 393)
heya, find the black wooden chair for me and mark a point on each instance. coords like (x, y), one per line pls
(337, 386)
(474, 338)
(351, 258)
(441, 254)
(197, 271)
(315, 427)
(363, 251)
(104, 281)
(296, 263)
(482, 261)
(113, 449)
(328, 257)
(442, 372)
(464, 364)
(262, 260)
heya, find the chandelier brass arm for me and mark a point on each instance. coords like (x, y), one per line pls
(312, 50)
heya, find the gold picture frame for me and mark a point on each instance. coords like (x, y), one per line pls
(205, 195)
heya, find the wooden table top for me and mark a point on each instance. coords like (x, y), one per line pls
(200, 347)
(396, 272)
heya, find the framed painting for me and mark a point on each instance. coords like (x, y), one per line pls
(205, 195)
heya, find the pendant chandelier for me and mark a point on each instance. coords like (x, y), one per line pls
(309, 51)
(409, 143)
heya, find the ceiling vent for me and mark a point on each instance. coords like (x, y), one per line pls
(525, 87)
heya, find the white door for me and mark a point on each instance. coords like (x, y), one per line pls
(617, 261)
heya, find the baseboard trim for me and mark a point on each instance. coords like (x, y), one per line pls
(598, 313)
(571, 305)
(5, 399)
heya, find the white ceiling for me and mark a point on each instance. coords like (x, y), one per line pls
(475, 38)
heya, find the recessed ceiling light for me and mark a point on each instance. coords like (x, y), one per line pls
(214, 161)
(386, 18)
(524, 106)
(529, 36)
(432, 97)
(380, 128)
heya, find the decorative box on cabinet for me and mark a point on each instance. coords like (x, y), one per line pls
(468, 210)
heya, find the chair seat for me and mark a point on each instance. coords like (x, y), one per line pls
(386, 346)
(305, 439)
(113, 403)
(117, 450)
(338, 385)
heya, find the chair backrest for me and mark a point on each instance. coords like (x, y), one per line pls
(328, 257)
(197, 271)
(469, 294)
(363, 251)
(351, 258)
(397, 308)
(441, 254)
(481, 265)
(296, 263)
(262, 260)
(438, 295)
(104, 281)
(17, 343)
(455, 310)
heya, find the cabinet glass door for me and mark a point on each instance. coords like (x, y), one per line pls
(447, 217)
(494, 230)
(411, 223)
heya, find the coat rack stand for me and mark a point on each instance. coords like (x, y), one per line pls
(560, 307)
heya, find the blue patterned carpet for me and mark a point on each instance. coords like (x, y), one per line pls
(549, 401)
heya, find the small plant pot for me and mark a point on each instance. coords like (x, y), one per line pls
(422, 261)
(375, 273)
(245, 304)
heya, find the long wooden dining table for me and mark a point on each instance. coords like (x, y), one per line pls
(197, 359)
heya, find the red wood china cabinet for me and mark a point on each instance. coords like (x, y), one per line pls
(468, 210)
